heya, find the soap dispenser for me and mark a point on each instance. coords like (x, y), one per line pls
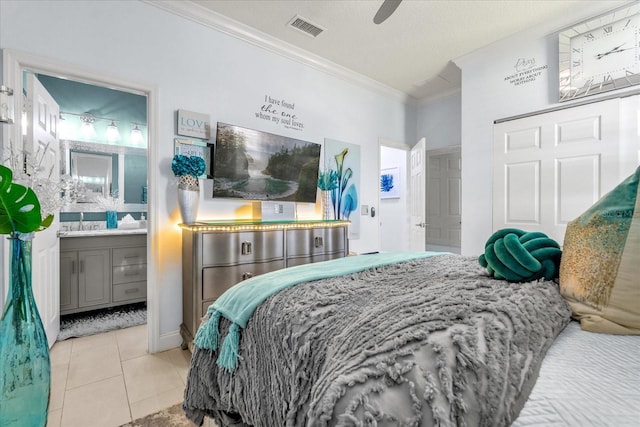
(143, 221)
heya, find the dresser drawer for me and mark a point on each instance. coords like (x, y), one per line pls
(129, 256)
(241, 247)
(129, 291)
(129, 273)
(291, 262)
(315, 241)
(216, 280)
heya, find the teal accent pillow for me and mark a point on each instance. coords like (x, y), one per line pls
(518, 256)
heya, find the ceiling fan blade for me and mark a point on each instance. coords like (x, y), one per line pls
(385, 11)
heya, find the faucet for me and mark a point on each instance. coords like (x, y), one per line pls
(80, 225)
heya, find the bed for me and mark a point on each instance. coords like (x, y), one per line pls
(586, 380)
(428, 340)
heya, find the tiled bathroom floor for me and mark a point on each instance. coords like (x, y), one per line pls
(107, 380)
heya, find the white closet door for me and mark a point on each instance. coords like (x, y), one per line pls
(549, 168)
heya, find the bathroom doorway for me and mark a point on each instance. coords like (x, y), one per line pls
(19, 66)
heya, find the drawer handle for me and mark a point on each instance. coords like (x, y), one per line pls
(131, 291)
(135, 273)
(131, 256)
(247, 275)
(246, 248)
(317, 242)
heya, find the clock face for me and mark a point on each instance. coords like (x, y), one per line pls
(600, 55)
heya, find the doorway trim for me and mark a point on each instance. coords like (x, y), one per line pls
(12, 65)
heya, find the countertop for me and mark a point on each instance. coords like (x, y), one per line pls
(98, 233)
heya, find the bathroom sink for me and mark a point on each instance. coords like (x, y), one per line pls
(106, 232)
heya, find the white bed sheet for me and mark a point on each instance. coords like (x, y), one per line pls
(586, 379)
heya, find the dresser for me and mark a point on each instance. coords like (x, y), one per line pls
(217, 255)
(101, 271)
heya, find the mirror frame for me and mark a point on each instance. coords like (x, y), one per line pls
(66, 146)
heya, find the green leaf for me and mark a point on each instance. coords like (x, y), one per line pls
(19, 206)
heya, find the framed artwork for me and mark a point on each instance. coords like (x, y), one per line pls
(194, 125)
(390, 183)
(343, 159)
(190, 147)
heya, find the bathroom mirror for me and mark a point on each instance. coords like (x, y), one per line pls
(95, 171)
(106, 170)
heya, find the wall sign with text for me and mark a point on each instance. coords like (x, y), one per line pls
(195, 125)
(281, 112)
(525, 71)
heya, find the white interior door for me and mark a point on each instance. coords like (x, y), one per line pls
(42, 139)
(417, 161)
(444, 199)
(550, 168)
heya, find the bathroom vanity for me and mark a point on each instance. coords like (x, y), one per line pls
(102, 268)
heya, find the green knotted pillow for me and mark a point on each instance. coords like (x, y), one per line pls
(518, 256)
(600, 268)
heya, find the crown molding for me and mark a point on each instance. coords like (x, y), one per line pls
(209, 18)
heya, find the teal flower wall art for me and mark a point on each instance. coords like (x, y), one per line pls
(342, 179)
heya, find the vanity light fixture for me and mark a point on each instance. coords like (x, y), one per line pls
(87, 128)
(6, 104)
(136, 135)
(113, 134)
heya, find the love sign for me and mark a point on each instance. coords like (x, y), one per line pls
(192, 124)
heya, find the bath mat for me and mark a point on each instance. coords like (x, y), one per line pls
(98, 321)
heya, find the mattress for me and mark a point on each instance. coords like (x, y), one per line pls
(586, 379)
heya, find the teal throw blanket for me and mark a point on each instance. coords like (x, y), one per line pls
(238, 303)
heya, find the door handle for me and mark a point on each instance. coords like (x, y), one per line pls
(422, 225)
(73, 267)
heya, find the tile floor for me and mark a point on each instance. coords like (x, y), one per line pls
(109, 379)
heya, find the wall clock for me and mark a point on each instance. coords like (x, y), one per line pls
(601, 54)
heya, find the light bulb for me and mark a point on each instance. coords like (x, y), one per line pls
(136, 136)
(113, 134)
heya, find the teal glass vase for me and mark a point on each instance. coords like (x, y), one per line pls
(25, 368)
(112, 219)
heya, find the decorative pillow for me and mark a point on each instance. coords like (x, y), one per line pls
(519, 256)
(600, 268)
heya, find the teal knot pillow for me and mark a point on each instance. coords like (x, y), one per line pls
(518, 256)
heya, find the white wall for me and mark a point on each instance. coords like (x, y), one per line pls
(439, 122)
(200, 69)
(393, 212)
(490, 91)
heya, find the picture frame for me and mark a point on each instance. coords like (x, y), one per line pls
(191, 147)
(192, 124)
(390, 183)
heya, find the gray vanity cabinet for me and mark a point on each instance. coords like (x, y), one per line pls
(215, 259)
(102, 271)
(85, 279)
(68, 281)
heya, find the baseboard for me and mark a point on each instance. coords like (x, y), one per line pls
(169, 340)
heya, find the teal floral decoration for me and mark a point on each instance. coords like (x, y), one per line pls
(328, 180)
(188, 165)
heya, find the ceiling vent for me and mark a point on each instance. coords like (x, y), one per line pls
(303, 24)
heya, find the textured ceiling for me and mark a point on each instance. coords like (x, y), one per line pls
(411, 51)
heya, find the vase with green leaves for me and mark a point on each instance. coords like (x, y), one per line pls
(25, 369)
(327, 182)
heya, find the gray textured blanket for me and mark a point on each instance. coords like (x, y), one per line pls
(427, 342)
